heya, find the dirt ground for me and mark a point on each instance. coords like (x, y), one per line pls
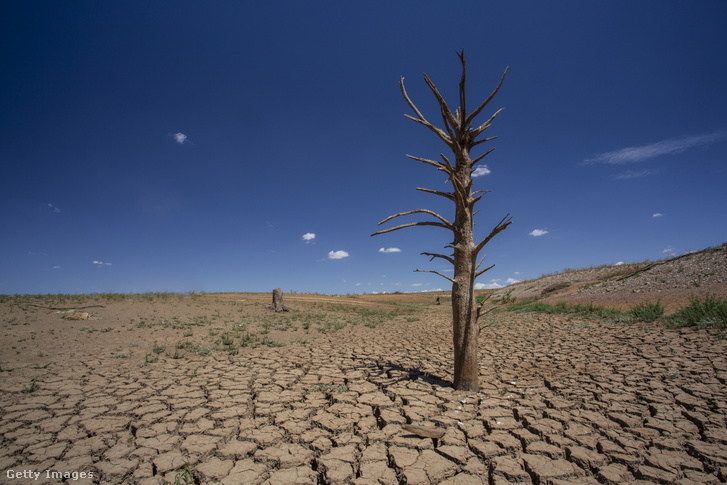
(142, 386)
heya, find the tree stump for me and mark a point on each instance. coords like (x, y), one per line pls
(278, 305)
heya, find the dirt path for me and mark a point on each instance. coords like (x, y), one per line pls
(562, 401)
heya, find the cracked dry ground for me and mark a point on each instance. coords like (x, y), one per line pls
(562, 401)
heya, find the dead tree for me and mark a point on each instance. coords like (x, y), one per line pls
(460, 135)
(278, 305)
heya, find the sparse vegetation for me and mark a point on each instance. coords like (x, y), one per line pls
(328, 389)
(711, 313)
(648, 312)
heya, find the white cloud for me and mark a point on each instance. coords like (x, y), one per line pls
(56, 267)
(481, 170)
(389, 250)
(658, 215)
(337, 254)
(308, 237)
(493, 285)
(666, 147)
(517, 272)
(667, 249)
(417, 284)
(633, 174)
(619, 263)
(101, 263)
(54, 208)
(538, 232)
(181, 138)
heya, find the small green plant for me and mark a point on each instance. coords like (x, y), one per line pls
(248, 338)
(227, 340)
(670, 374)
(158, 349)
(33, 386)
(122, 355)
(186, 476)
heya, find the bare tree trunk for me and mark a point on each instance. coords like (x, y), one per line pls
(459, 135)
(278, 305)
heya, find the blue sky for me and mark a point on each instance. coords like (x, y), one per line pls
(243, 146)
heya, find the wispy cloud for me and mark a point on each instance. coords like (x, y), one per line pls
(101, 263)
(337, 254)
(481, 170)
(54, 208)
(668, 250)
(658, 214)
(538, 232)
(308, 237)
(389, 250)
(646, 152)
(633, 174)
(56, 267)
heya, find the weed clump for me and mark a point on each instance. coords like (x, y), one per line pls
(712, 313)
(648, 312)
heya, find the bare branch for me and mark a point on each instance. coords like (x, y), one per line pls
(480, 313)
(438, 131)
(462, 98)
(476, 132)
(411, 224)
(435, 255)
(484, 154)
(446, 112)
(434, 163)
(506, 221)
(448, 195)
(420, 211)
(478, 273)
(430, 271)
(481, 107)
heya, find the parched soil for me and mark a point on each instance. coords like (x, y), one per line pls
(147, 385)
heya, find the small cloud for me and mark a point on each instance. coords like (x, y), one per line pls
(308, 237)
(56, 267)
(337, 254)
(481, 170)
(538, 232)
(389, 250)
(517, 272)
(667, 249)
(619, 263)
(633, 174)
(511, 281)
(417, 284)
(101, 263)
(658, 215)
(54, 208)
(181, 138)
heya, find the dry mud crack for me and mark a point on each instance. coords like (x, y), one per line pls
(562, 401)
